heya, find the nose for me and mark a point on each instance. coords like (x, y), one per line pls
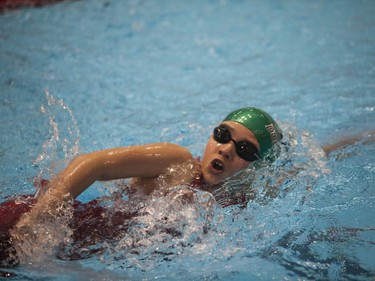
(227, 150)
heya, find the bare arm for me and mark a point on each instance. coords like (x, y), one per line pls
(146, 161)
(367, 137)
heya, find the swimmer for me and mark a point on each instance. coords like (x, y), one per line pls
(245, 137)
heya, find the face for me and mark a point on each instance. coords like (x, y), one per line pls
(220, 160)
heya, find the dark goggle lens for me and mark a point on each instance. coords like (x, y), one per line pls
(247, 151)
(222, 135)
(244, 149)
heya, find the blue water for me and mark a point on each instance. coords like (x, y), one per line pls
(86, 75)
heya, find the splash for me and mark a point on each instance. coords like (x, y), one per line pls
(165, 228)
(63, 143)
(36, 239)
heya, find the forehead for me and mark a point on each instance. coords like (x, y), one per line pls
(240, 132)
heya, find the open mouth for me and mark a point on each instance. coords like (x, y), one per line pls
(217, 165)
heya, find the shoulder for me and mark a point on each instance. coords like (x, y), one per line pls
(171, 149)
(161, 150)
(157, 149)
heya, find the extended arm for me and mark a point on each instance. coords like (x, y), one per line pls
(367, 137)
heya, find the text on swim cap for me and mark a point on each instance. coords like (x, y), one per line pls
(271, 129)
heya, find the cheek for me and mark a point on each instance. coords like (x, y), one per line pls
(210, 148)
(240, 165)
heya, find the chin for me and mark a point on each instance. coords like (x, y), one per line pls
(212, 179)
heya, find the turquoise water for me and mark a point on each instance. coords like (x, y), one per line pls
(86, 75)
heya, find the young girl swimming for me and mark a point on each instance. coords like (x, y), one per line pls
(245, 137)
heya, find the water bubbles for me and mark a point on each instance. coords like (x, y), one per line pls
(36, 239)
(165, 227)
(63, 142)
(42, 109)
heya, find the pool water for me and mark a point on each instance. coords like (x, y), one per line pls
(85, 75)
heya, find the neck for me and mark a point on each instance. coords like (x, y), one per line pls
(199, 183)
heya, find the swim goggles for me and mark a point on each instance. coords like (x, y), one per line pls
(244, 149)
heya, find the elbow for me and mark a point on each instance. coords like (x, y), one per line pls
(87, 164)
(83, 170)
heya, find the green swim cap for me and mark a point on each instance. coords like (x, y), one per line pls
(265, 129)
